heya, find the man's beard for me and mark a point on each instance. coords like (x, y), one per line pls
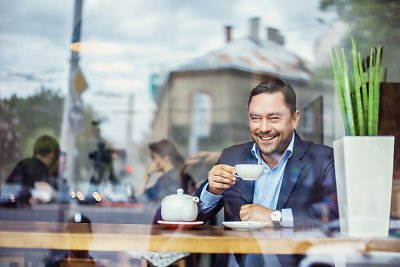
(270, 150)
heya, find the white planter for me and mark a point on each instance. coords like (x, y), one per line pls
(364, 174)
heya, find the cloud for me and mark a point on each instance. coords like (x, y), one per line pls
(111, 67)
(151, 36)
(45, 18)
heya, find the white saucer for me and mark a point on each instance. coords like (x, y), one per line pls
(244, 225)
(174, 224)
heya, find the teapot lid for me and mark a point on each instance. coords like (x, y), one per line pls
(179, 194)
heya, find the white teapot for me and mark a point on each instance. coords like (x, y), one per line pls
(179, 207)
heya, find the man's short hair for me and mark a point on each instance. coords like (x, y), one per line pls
(274, 86)
(45, 145)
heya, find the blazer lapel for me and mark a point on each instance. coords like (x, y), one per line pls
(292, 172)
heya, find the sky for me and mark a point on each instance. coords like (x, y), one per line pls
(124, 41)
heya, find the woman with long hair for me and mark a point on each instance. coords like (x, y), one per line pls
(167, 160)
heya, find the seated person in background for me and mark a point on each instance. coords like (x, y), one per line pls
(168, 161)
(297, 187)
(35, 171)
(196, 168)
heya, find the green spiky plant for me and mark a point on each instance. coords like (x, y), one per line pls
(358, 94)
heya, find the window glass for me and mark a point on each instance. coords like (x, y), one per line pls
(109, 108)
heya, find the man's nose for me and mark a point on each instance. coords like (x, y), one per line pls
(265, 125)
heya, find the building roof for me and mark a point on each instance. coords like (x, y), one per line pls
(264, 56)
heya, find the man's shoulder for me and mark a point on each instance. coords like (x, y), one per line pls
(320, 147)
(22, 165)
(30, 162)
(317, 149)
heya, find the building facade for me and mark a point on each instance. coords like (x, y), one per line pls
(203, 104)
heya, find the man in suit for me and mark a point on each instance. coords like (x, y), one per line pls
(297, 187)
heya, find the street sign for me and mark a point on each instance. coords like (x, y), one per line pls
(79, 81)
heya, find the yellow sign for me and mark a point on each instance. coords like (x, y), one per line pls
(79, 81)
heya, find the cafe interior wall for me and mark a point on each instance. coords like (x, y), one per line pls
(389, 124)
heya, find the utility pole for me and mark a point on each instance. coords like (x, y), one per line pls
(129, 121)
(130, 144)
(72, 112)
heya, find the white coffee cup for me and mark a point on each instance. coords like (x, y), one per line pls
(249, 171)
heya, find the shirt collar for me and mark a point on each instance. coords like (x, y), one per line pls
(288, 152)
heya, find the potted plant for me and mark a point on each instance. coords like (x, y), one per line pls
(363, 160)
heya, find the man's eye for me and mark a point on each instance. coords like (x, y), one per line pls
(255, 118)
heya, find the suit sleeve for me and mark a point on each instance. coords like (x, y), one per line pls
(207, 214)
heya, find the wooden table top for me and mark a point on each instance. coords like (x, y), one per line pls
(204, 239)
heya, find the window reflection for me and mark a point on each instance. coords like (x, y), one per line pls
(106, 80)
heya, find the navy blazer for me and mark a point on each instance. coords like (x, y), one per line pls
(308, 185)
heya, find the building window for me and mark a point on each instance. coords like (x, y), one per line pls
(200, 119)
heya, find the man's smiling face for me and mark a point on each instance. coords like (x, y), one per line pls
(271, 123)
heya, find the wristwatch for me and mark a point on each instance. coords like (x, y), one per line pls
(276, 217)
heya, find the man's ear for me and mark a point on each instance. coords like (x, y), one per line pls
(295, 119)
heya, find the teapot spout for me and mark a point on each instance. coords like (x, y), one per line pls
(196, 199)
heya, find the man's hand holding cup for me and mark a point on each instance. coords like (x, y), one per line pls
(221, 177)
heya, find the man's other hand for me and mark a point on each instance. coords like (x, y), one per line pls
(255, 212)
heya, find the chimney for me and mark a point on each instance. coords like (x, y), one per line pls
(228, 34)
(274, 35)
(254, 25)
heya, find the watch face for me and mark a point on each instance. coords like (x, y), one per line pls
(276, 216)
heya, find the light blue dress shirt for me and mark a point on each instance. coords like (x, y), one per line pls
(267, 186)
